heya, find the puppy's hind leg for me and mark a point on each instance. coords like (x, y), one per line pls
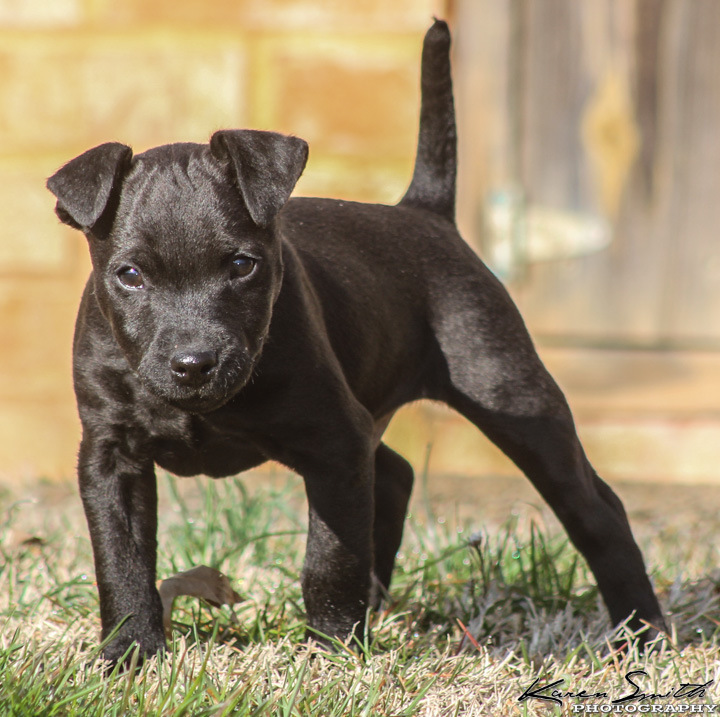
(393, 484)
(496, 380)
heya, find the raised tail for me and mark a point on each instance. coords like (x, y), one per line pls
(433, 182)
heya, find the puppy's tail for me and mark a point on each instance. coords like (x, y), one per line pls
(433, 182)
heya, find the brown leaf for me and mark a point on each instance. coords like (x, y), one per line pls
(202, 582)
(21, 541)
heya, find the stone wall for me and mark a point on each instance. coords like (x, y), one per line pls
(75, 73)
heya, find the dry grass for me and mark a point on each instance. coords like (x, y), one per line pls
(528, 602)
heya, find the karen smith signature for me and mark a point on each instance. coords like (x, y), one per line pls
(552, 692)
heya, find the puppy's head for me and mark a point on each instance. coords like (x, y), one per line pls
(186, 260)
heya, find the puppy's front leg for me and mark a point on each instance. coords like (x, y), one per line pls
(339, 559)
(120, 499)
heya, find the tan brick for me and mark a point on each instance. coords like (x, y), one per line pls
(37, 315)
(39, 440)
(399, 15)
(344, 97)
(31, 237)
(143, 90)
(171, 12)
(43, 267)
(39, 13)
(353, 95)
(355, 178)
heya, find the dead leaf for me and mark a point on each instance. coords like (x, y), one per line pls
(20, 540)
(201, 582)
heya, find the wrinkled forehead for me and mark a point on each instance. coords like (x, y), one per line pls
(180, 194)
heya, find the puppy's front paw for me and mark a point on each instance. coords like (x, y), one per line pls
(649, 635)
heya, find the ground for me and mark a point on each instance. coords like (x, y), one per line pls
(488, 597)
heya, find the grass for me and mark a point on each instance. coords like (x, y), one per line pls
(474, 617)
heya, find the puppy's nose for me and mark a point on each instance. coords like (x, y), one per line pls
(192, 368)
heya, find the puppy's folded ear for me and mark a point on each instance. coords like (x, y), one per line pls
(266, 165)
(87, 187)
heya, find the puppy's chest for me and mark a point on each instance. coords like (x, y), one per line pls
(192, 447)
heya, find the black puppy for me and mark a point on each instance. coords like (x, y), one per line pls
(224, 326)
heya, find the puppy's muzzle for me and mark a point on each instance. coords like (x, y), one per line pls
(193, 368)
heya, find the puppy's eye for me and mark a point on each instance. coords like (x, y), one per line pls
(131, 278)
(243, 266)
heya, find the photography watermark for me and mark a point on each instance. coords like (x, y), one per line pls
(635, 698)
(644, 709)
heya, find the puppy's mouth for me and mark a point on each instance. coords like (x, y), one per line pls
(197, 389)
(195, 404)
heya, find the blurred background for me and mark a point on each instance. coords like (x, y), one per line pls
(589, 182)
